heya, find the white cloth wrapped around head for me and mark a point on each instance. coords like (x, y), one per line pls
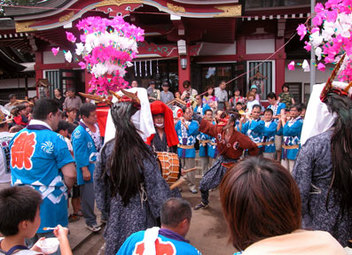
(142, 119)
(318, 119)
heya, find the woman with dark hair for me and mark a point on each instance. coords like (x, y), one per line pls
(237, 98)
(323, 169)
(286, 97)
(58, 97)
(262, 207)
(129, 187)
(210, 99)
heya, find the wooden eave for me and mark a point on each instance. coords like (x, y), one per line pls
(60, 17)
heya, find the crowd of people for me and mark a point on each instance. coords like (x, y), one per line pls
(270, 186)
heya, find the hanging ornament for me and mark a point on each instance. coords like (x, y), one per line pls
(291, 66)
(305, 66)
(157, 66)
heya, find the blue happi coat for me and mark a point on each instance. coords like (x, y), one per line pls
(254, 130)
(279, 108)
(269, 136)
(37, 155)
(292, 136)
(85, 152)
(187, 138)
(164, 244)
(207, 145)
(204, 108)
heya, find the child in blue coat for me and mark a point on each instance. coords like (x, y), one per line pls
(291, 132)
(207, 145)
(269, 132)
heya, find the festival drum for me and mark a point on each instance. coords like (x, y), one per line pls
(170, 165)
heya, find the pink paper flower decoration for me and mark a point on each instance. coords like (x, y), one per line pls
(308, 47)
(55, 50)
(301, 31)
(70, 37)
(106, 48)
(291, 66)
(331, 32)
(321, 67)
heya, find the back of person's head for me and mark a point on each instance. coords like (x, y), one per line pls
(271, 95)
(17, 204)
(86, 109)
(260, 199)
(43, 107)
(63, 125)
(174, 211)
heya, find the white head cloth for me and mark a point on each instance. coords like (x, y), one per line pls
(142, 119)
(318, 119)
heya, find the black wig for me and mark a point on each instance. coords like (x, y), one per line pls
(341, 149)
(125, 166)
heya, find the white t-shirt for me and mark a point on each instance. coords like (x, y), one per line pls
(5, 174)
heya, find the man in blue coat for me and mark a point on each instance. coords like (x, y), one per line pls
(86, 142)
(175, 215)
(291, 128)
(278, 108)
(187, 130)
(254, 127)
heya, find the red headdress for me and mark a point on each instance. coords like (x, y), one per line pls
(158, 107)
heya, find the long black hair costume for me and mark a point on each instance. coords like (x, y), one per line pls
(128, 185)
(323, 169)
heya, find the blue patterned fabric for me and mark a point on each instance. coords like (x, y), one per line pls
(36, 159)
(292, 136)
(188, 139)
(207, 149)
(135, 245)
(204, 108)
(279, 108)
(254, 130)
(84, 151)
(269, 136)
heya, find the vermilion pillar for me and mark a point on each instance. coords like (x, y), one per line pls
(280, 65)
(184, 70)
(37, 67)
(87, 77)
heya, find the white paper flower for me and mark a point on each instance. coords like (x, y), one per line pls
(316, 39)
(79, 49)
(68, 56)
(318, 52)
(305, 66)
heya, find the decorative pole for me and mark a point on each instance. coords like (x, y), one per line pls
(312, 53)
